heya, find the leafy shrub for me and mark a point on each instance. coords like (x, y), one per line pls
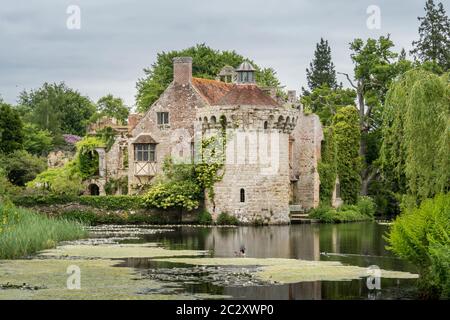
(21, 167)
(346, 213)
(226, 219)
(422, 236)
(204, 217)
(366, 206)
(173, 194)
(59, 181)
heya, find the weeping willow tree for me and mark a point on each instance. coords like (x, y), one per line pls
(416, 135)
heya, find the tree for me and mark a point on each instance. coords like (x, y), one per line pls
(113, 107)
(36, 141)
(325, 101)
(58, 109)
(416, 135)
(376, 66)
(321, 70)
(11, 129)
(21, 167)
(347, 136)
(206, 63)
(434, 36)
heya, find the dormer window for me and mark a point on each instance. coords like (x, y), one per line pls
(162, 118)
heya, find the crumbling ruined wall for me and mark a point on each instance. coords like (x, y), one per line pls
(308, 136)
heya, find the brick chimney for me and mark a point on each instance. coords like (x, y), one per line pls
(133, 119)
(182, 70)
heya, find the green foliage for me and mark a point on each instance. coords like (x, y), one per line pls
(434, 32)
(113, 107)
(87, 158)
(204, 217)
(108, 136)
(366, 206)
(321, 71)
(26, 232)
(58, 109)
(173, 194)
(114, 185)
(11, 129)
(59, 181)
(328, 167)
(226, 219)
(206, 63)
(7, 189)
(21, 167)
(422, 236)
(364, 210)
(347, 137)
(36, 141)
(325, 101)
(119, 202)
(416, 135)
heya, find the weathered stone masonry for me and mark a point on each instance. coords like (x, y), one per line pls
(272, 148)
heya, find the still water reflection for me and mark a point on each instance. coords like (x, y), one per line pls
(360, 244)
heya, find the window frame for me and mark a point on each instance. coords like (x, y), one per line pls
(162, 118)
(145, 152)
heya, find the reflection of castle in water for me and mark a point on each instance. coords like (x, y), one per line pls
(275, 242)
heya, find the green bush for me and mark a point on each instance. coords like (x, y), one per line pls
(345, 213)
(59, 181)
(21, 167)
(226, 219)
(173, 194)
(366, 206)
(101, 202)
(204, 217)
(422, 236)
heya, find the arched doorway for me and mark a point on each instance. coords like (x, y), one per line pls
(94, 190)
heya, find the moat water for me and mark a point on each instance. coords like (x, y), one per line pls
(358, 244)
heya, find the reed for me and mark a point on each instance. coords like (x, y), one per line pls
(24, 232)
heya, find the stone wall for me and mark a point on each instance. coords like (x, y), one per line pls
(174, 139)
(306, 150)
(257, 161)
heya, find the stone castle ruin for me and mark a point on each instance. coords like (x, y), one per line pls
(271, 149)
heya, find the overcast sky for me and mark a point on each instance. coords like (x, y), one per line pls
(118, 38)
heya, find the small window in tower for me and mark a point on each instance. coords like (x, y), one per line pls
(266, 125)
(162, 117)
(242, 195)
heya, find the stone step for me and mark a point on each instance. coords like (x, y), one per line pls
(299, 215)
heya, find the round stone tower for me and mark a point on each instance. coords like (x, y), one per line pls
(256, 181)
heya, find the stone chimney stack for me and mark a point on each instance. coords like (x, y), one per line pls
(182, 70)
(292, 96)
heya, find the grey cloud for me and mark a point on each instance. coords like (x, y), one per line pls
(119, 38)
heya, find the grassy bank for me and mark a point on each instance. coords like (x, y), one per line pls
(23, 232)
(364, 210)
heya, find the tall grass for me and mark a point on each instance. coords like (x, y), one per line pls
(23, 232)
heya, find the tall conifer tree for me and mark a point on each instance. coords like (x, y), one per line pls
(321, 71)
(434, 32)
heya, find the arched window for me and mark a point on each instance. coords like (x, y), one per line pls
(242, 195)
(266, 125)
